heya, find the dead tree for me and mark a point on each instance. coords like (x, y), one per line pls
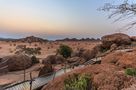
(123, 11)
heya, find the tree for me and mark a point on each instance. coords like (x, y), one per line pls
(34, 60)
(122, 11)
(65, 51)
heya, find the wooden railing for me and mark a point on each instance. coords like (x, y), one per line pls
(3, 67)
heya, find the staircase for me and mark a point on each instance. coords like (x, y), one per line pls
(3, 66)
(93, 61)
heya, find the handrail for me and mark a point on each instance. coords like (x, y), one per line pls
(9, 86)
(15, 84)
(3, 62)
(4, 67)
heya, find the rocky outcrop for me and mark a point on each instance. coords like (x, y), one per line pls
(88, 54)
(31, 39)
(18, 62)
(75, 61)
(113, 47)
(117, 38)
(133, 38)
(46, 70)
(54, 59)
(121, 59)
(104, 77)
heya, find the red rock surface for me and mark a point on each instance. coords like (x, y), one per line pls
(121, 59)
(104, 77)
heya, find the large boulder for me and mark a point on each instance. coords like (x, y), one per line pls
(18, 62)
(117, 38)
(54, 59)
(88, 54)
(46, 70)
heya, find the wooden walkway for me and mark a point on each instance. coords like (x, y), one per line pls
(93, 61)
(43, 80)
(37, 82)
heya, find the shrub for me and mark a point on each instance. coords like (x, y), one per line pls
(77, 82)
(34, 60)
(65, 51)
(130, 71)
(103, 50)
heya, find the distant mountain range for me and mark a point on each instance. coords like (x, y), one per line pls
(37, 39)
(75, 39)
(27, 39)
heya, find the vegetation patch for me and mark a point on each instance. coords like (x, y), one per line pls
(34, 60)
(103, 50)
(131, 72)
(65, 51)
(77, 82)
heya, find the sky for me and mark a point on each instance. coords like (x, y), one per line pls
(55, 19)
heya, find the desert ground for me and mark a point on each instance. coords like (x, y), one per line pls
(110, 62)
(47, 48)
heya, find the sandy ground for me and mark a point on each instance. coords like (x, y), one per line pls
(16, 76)
(49, 48)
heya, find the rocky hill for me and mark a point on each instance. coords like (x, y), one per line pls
(31, 39)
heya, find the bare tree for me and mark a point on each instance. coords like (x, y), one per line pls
(125, 10)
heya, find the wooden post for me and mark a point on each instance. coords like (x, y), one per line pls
(54, 75)
(31, 80)
(24, 74)
(24, 70)
(65, 68)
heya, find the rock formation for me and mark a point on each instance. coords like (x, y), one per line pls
(121, 59)
(117, 38)
(46, 70)
(18, 62)
(54, 59)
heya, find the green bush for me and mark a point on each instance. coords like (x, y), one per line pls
(77, 82)
(103, 50)
(65, 51)
(130, 71)
(34, 60)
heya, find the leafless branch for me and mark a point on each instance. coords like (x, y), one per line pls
(122, 11)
